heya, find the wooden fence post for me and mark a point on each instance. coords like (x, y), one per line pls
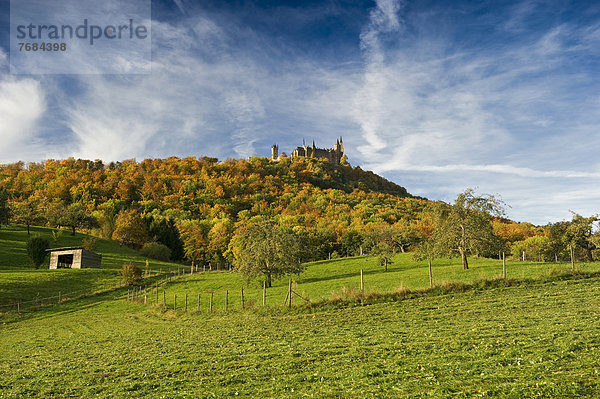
(164, 298)
(127, 295)
(503, 265)
(264, 293)
(145, 295)
(572, 257)
(157, 292)
(226, 300)
(59, 295)
(290, 294)
(18, 306)
(430, 274)
(186, 302)
(362, 283)
(211, 302)
(198, 302)
(243, 298)
(523, 256)
(175, 303)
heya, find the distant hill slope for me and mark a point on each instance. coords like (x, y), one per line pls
(205, 202)
(192, 188)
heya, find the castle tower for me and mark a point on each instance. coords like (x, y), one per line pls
(274, 151)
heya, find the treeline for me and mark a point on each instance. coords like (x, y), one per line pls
(194, 207)
(205, 211)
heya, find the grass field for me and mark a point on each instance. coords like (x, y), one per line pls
(540, 338)
(537, 341)
(19, 281)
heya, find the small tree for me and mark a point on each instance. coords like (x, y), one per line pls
(465, 226)
(75, 216)
(26, 212)
(131, 274)
(266, 250)
(36, 249)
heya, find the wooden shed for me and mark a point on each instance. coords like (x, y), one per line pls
(74, 258)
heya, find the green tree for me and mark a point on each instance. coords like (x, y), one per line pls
(4, 208)
(464, 227)
(266, 250)
(536, 248)
(36, 249)
(75, 216)
(27, 212)
(579, 233)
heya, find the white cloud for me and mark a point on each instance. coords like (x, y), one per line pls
(22, 104)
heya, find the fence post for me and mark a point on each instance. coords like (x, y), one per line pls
(18, 306)
(430, 274)
(290, 294)
(59, 296)
(157, 292)
(186, 302)
(192, 269)
(242, 297)
(145, 295)
(523, 256)
(572, 257)
(362, 283)
(211, 302)
(264, 293)
(226, 300)
(503, 265)
(164, 298)
(127, 295)
(175, 303)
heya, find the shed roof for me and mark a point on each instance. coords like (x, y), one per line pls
(64, 249)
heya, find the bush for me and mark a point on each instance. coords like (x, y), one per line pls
(156, 251)
(131, 274)
(90, 243)
(36, 249)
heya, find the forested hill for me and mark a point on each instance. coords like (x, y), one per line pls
(202, 194)
(153, 180)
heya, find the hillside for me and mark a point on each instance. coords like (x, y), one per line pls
(196, 205)
(20, 282)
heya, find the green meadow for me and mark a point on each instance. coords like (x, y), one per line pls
(538, 337)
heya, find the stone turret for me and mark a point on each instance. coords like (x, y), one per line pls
(274, 151)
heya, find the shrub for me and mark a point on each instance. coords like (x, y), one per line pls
(90, 243)
(156, 251)
(36, 249)
(131, 274)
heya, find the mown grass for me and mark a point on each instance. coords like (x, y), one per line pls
(325, 280)
(19, 281)
(523, 341)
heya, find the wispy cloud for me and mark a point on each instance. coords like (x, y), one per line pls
(22, 104)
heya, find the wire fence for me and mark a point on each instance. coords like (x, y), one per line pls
(34, 304)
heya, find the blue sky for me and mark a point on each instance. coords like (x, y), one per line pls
(436, 96)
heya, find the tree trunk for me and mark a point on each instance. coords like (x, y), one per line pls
(269, 280)
(463, 257)
(73, 230)
(385, 263)
(28, 232)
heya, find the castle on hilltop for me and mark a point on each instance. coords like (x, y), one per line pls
(333, 155)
